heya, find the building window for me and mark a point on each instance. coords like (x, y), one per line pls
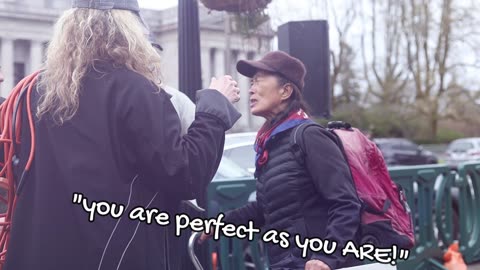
(18, 72)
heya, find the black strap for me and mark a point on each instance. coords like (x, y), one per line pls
(16, 162)
(386, 206)
(296, 141)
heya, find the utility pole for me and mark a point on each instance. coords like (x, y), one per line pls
(190, 80)
(190, 72)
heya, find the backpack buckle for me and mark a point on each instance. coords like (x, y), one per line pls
(339, 125)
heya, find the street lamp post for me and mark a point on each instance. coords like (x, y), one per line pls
(190, 80)
(190, 73)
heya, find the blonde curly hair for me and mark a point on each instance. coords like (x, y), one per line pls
(83, 36)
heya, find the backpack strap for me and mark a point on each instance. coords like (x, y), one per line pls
(296, 141)
(298, 146)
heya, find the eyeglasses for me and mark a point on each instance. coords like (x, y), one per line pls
(157, 46)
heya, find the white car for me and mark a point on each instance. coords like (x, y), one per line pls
(230, 170)
(238, 159)
(463, 150)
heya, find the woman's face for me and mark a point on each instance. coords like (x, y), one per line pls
(266, 96)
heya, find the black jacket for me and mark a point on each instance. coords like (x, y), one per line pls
(122, 146)
(316, 198)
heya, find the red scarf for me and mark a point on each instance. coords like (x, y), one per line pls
(265, 133)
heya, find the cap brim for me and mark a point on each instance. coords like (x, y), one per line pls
(249, 68)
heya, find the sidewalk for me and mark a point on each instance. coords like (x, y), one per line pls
(475, 266)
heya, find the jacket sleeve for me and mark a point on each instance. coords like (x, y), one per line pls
(180, 166)
(241, 216)
(333, 181)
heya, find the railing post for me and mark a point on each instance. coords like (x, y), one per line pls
(468, 182)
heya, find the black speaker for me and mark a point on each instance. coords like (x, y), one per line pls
(309, 42)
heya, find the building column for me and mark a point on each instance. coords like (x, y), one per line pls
(6, 55)
(205, 61)
(219, 62)
(244, 103)
(36, 55)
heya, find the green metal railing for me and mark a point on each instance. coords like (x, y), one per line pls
(468, 182)
(428, 193)
(445, 206)
(223, 196)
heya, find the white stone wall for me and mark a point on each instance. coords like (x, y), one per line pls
(6, 60)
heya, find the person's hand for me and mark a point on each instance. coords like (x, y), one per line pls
(316, 265)
(204, 237)
(227, 86)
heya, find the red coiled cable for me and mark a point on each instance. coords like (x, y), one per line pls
(7, 180)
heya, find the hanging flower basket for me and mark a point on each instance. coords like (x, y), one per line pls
(236, 5)
(249, 23)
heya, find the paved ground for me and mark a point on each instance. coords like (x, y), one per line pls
(474, 266)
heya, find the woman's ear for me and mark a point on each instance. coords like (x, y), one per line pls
(286, 91)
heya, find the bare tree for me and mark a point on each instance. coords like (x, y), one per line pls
(343, 75)
(412, 51)
(383, 71)
(429, 32)
(345, 78)
(416, 56)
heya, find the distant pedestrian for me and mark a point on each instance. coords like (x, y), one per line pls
(183, 105)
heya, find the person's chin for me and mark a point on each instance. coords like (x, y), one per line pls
(257, 111)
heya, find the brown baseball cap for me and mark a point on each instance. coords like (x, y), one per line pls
(277, 62)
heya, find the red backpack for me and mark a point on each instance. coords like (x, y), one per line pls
(386, 216)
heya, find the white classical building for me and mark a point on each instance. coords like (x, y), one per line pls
(27, 25)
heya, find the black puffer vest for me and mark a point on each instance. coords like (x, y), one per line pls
(283, 187)
(289, 200)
